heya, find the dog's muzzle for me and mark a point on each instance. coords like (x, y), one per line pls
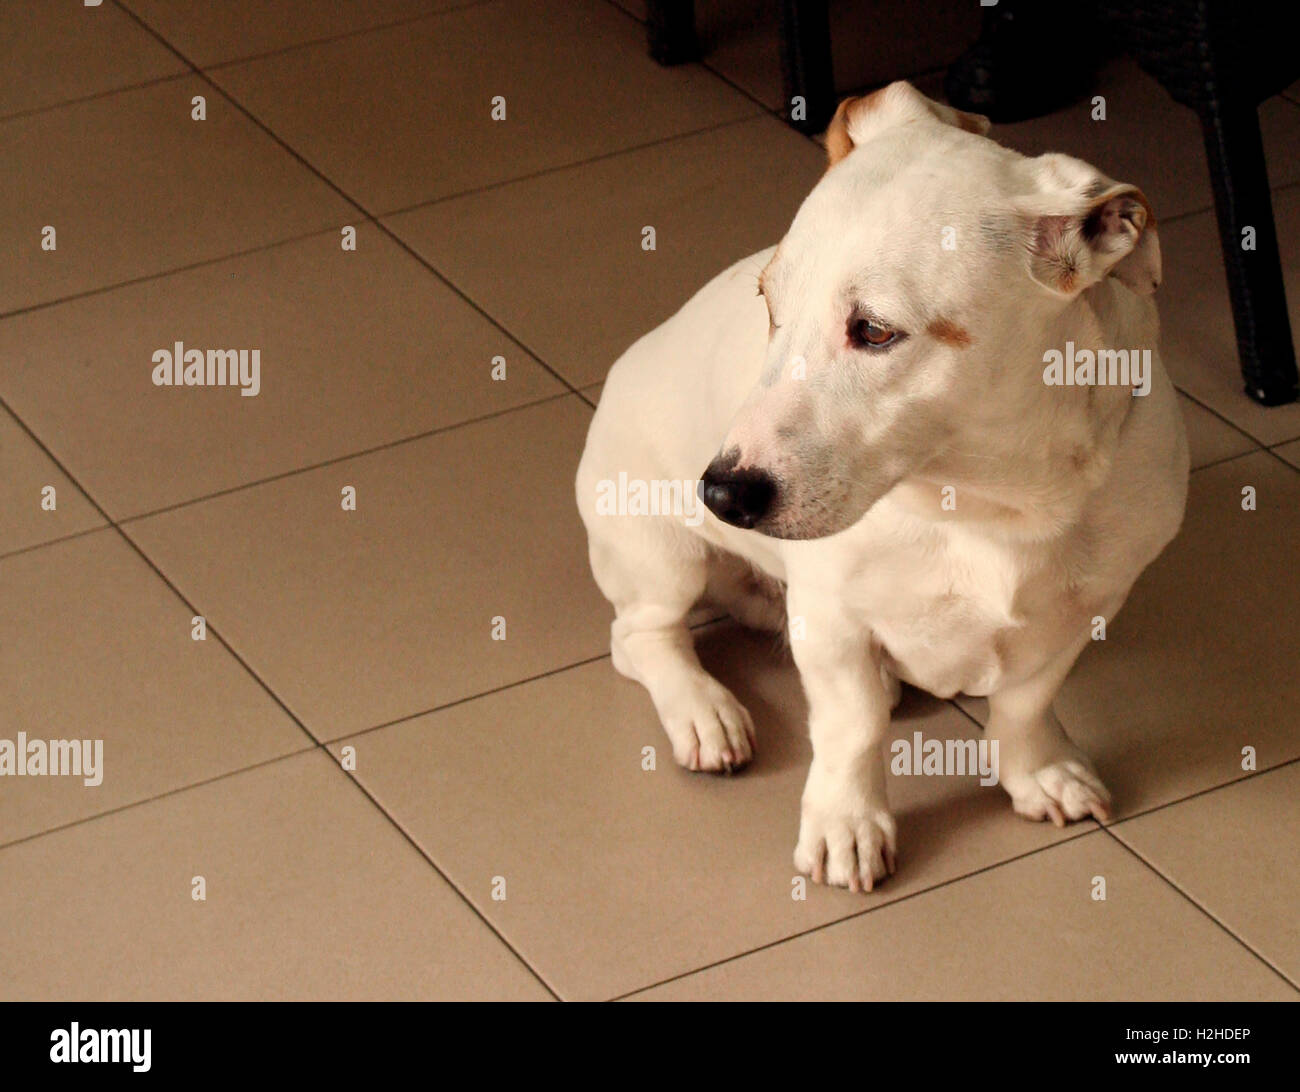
(739, 497)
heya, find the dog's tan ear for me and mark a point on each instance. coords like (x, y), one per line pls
(1089, 228)
(859, 118)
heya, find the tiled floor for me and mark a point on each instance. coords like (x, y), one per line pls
(380, 799)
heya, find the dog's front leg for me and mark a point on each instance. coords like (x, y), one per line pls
(846, 834)
(1044, 773)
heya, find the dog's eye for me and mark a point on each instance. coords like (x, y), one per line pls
(865, 334)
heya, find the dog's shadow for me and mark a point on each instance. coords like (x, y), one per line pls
(931, 811)
(759, 669)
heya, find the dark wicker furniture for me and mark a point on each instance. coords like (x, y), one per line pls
(1221, 58)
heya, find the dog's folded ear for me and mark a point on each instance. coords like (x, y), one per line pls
(1085, 226)
(859, 118)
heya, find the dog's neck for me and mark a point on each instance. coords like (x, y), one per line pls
(1029, 467)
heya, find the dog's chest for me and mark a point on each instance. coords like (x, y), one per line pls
(948, 612)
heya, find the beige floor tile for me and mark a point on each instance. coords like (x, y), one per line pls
(366, 347)
(741, 40)
(133, 186)
(1201, 660)
(310, 894)
(1199, 344)
(561, 256)
(27, 472)
(1208, 437)
(57, 52)
(210, 34)
(1029, 931)
(617, 877)
(403, 115)
(1152, 142)
(1234, 852)
(1290, 452)
(97, 647)
(356, 618)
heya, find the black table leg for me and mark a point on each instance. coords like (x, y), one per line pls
(1235, 152)
(670, 26)
(806, 64)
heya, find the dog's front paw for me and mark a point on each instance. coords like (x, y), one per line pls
(1060, 791)
(845, 838)
(709, 729)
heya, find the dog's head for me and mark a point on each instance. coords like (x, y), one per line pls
(908, 302)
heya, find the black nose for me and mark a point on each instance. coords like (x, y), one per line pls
(739, 497)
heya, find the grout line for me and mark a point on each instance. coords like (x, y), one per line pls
(1274, 455)
(176, 270)
(1120, 821)
(1128, 816)
(326, 744)
(701, 63)
(111, 524)
(54, 541)
(406, 718)
(77, 100)
(488, 187)
(315, 747)
(428, 858)
(366, 218)
(1258, 445)
(962, 710)
(211, 629)
(695, 627)
(1083, 831)
(315, 742)
(1097, 828)
(306, 163)
(356, 32)
(153, 81)
(176, 790)
(336, 459)
(1224, 459)
(1211, 410)
(628, 11)
(1169, 881)
(333, 460)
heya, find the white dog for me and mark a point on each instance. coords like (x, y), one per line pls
(937, 437)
